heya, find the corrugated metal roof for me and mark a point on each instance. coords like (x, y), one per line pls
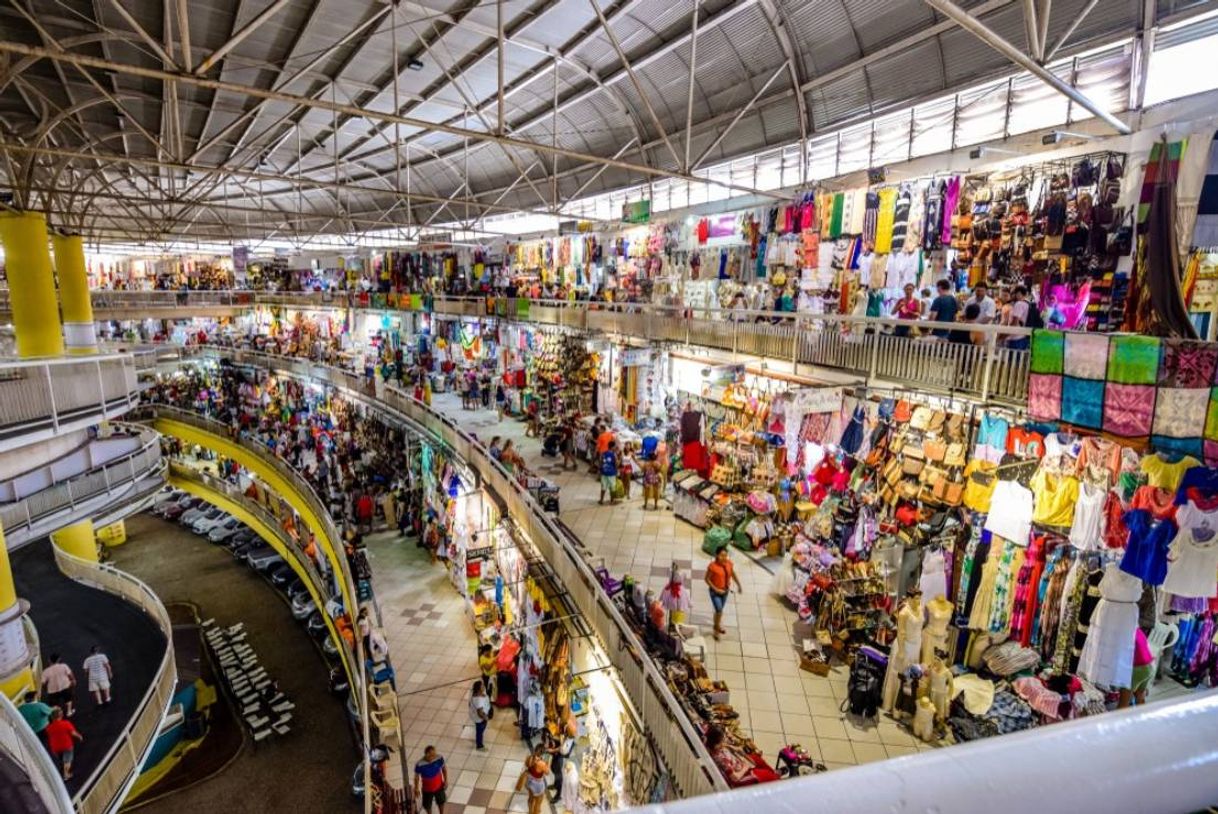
(737, 52)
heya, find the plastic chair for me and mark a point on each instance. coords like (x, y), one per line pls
(1163, 636)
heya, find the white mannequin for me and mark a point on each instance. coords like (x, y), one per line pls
(906, 649)
(940, 693)
(934, 639)
(924, 721)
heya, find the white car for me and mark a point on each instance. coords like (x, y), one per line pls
(227, 529)
(165, 497)
(191, 515)
(208, 521)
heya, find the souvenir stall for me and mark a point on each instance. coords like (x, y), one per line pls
(1025, 569)
(562, 373)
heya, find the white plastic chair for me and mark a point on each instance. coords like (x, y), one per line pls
(1163, 636)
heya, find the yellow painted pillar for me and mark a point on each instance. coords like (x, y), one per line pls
(31, 285)
(79, 331)
(15, 674)
(77, 540)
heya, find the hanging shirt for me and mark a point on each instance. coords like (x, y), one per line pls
(1010, 514)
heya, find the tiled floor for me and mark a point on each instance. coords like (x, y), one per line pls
(777, 701)
(436, 657)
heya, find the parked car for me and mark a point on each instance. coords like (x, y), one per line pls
(303, 606)
(263, 558)
(295, 588)
(317, 626)
(222, 532)
(280, 574)
(164, 498)
(204, 524)
(240, 552)
(201, 508)
(241, 537)
(175, 511)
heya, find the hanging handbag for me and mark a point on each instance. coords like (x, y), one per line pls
(954, 454)
(921, 418)
(953, 428)
(913, 460)
(935, 449)
(892, 471)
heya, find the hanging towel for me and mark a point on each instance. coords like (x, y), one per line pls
(835, 221)
(884, 220)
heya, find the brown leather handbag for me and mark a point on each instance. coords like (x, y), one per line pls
(935, 449)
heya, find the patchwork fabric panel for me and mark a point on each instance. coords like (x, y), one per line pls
(1083, 402)
(1045, 398)
(1129, 409)
(1086, 356)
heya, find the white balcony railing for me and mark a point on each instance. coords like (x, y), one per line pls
(103, 791)
(107, 491)
(42, 397)
(21, 746)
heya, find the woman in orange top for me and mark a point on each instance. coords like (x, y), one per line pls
(720, 575)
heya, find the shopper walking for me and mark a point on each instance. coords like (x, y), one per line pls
(431, 780)
(627, 469)
(533, 778)
(479, 712)
(560, 750)
(62, 738)
(720, 575)
(651, 482)
(486, 665)
(566, 444)
(59, 685)
(99, 674)
(609, 464)
(37, 715)
(500, 400)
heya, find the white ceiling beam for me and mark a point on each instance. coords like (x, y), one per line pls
(239, 37)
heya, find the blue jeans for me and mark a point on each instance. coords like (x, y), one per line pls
(479, 729)
(718, 601)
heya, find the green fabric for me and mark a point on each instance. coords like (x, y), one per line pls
(715, 539)
(1211, 416)
(835, 223)
(522, 308)
(1134, 359)
(36, 714)
(1048, 351)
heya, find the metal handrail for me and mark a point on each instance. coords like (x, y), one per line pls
(866, 346)
(109, 783)
(21, 746)
(305, 491)
(67, 494)
(650, 691)
(54, 392)
(268, 455)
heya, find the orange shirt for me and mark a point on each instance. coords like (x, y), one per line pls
(719, 575)
(602, 442)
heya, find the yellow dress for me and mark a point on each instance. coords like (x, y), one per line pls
(884, 219)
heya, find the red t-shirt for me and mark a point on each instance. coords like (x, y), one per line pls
(59, 736)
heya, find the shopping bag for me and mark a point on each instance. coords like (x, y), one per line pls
(619, 489)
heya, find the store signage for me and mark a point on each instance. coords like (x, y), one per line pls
(721, 226)
(817, 400)
(637, 211)
(636, 357)
(241, 259)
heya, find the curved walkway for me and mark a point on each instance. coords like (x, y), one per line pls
(310, 769)
(71, 618)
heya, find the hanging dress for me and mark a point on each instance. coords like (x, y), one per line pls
(884, 220)
(1107, 657)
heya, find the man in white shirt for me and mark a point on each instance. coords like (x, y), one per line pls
(58, 684)
(983, 302)
(98, 671)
